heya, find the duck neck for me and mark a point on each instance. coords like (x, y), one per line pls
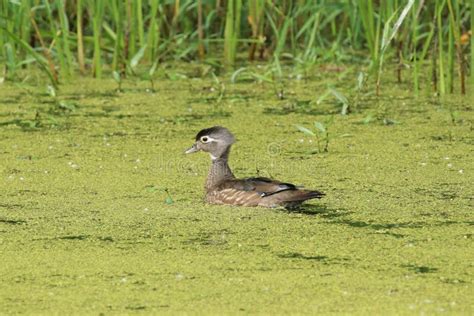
(220, 171)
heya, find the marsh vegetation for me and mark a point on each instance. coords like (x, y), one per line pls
(370, 102)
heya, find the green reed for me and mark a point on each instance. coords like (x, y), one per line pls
(232, 31)
(472, 42)
(92, 36)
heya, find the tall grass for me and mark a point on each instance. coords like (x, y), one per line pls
(63, 38)
(232, 31)
(472, 43)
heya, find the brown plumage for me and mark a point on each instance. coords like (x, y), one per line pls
(222, 187)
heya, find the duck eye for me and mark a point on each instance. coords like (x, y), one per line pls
(204, 139)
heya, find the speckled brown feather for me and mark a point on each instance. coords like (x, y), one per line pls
(259, 192)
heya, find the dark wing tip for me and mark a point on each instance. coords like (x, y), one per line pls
(303, 195)
(316, 194)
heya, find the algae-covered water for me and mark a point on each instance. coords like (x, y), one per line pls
(101, 212)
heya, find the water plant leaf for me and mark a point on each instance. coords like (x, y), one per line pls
(367, 119)
(305, 130)
(262, 78)
(339, 95)
(388, 121)
(137, 57)
(277, 66)
(11, 63)
(25, 62)
(151, 188)
(360, 81)
(116, 76)
(330, 120)
(323, 97)
(52, 120)
(174, 76)
(152, 70)
(51, 91)
(215, 78)
(454, 116)
(342, 98)
(386, 39)
(169, 200)
(67, 106)
(28, 124)
(320, 126)
(345, 109)
(236, 73)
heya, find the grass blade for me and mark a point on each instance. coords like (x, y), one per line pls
(305, 130)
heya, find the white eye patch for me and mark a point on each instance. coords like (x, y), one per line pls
(207, 139)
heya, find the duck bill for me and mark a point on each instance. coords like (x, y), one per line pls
(191, 150)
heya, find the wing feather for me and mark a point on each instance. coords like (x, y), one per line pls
(259, 192)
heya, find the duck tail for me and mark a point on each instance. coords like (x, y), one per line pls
(307, 195)
(300, 196)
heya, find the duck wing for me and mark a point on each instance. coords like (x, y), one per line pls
(261, 185)
(260, 191)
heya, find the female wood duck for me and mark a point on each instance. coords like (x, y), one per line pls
(223, 188)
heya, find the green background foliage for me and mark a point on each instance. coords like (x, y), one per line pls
(87, 36)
